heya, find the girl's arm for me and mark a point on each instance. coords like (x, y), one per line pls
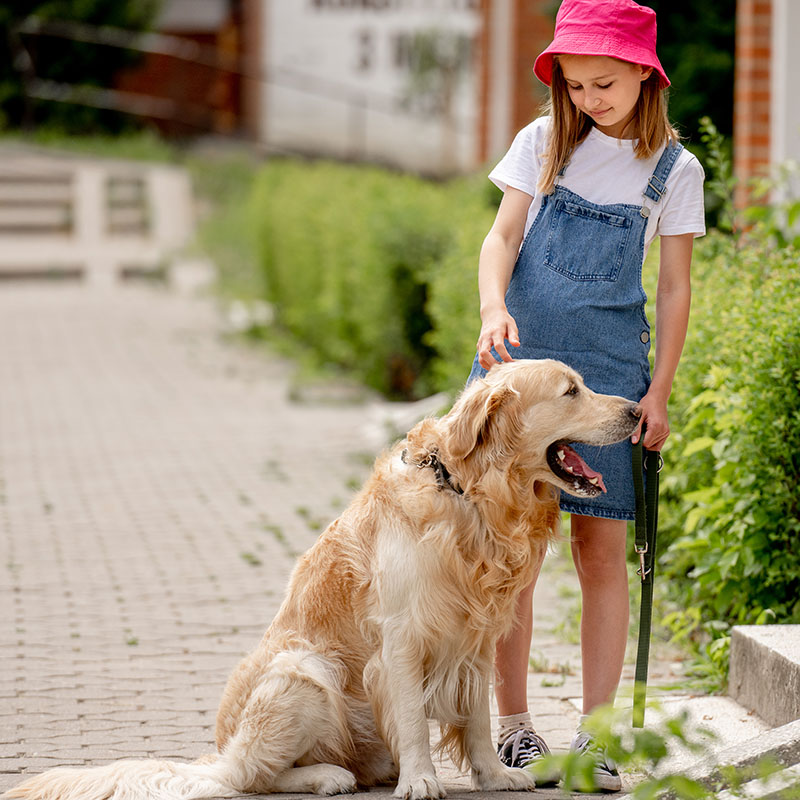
(498, 256)
(673, 298)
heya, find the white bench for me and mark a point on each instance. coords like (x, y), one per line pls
(98, 219)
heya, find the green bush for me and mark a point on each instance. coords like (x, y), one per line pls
(731, 509)
(453, 283)
(734, 462)
(364, 266)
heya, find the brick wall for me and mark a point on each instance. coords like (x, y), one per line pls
(751, 118)
(530, 29)
(253, 42)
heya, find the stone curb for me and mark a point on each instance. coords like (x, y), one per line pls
(765, 671)
(780, 744)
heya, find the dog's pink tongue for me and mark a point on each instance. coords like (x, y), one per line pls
(580, 467)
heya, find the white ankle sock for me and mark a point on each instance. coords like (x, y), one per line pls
(511, 723)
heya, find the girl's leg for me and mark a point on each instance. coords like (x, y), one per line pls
(598, 549)
(513, 654)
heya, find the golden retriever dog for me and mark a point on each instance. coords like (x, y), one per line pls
(391, 618)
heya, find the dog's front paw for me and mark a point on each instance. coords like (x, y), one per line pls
(504, 779)
(423, 787)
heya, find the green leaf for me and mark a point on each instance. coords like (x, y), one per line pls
(696, 445)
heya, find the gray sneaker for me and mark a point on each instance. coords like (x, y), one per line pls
(606, 776)
(524, 748)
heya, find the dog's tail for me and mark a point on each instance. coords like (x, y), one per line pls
(130, 780)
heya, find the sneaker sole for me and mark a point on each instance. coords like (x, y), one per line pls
(608, 783)
(602, 783)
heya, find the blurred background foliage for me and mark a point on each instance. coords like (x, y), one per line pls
(66, 61)
(696, 46)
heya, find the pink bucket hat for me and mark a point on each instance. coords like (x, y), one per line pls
(618, 28)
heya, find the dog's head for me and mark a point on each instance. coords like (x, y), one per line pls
(524, 415)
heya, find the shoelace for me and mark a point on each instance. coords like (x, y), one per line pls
(527, 744)
(583, 742)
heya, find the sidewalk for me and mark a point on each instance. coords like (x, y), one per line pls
(156, 485)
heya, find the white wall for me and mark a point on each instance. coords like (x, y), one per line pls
(785, 95)
(337, 73)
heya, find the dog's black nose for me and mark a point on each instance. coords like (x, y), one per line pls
(635, 410)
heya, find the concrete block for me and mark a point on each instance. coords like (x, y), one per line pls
(765, 671)
(781, 745)
(777, 786)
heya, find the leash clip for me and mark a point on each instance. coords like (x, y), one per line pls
(660, 463)
(643, 572)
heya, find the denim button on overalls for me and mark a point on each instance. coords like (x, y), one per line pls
(576, 295)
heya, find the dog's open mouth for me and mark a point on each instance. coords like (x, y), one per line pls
(569, 467)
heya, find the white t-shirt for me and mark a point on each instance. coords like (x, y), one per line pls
(605, 170)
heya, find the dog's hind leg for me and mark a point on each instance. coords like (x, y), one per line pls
(295, 710)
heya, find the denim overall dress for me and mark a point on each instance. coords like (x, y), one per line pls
(576, 295)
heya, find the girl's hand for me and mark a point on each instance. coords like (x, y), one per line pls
(654, 413)
(497, 326)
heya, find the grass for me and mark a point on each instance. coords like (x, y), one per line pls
(280, 536)
(135, 146)
(251, 559)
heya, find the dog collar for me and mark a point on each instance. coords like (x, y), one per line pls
(444, 479)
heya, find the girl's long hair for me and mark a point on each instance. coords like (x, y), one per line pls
(650, 125)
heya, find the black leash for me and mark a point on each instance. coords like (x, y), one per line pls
(649, 462)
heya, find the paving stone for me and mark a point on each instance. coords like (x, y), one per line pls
(155, 487)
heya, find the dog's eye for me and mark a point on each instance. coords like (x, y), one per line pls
(573, 389)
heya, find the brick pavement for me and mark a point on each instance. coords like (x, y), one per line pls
(155, 486)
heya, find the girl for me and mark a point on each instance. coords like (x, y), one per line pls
(587, 188)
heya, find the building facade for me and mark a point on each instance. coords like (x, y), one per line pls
(766, 124)
(432, 86)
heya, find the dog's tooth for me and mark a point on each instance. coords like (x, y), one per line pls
(561, 455)
(569, 469)
(594, 481)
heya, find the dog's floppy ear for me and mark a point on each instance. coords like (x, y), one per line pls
(471, 418)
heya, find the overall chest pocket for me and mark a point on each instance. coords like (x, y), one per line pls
(586, 244)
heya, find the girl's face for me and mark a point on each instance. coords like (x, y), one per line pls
(606, 89)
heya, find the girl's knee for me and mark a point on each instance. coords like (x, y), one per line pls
(599, 548)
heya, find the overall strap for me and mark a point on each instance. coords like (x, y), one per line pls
(657, 185)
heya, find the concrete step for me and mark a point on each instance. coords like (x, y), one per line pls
(779, 786)
(780, 745)
(765, 671)
(764, 680)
